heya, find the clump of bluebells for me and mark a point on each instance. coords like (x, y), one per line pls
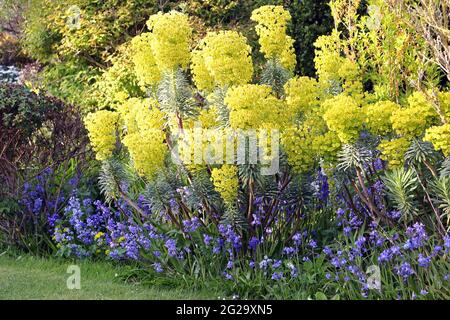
(90, 228)
(41, 200)
(284, 254)
(270, 262)
(406, 263)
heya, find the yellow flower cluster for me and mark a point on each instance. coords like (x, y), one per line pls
(98, 235)
(226, 182)
(223, 59)
(298, 146)
(144, 136)
(147, 150)
(344, 117)
(144, 140)
(328, 59)
(208, 117)
(254, 106)
(350, 77)
(378, 117)
(145, 66)
(170, 41)
(201, 76)
(413, 120)
(335, 72)
(304, 145)
(327, 146)
(439, 136)
(302, 95)
(102, 128)
(393, 151)
(198, 146)
(271, 29)
(444, 101)
(141, 114)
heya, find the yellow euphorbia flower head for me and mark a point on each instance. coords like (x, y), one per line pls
(147, 150)
(226, 182)
(145, 66)
(170, 41)
(344, 117)
(302, 94)
(378, 117)
(102, 130)
(271, 29)
(413, 120)
(223, 59)
(252, 106)
(393, 151)
(439, 136)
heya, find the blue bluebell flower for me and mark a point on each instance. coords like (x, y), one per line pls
(277, 276)
(404, 270)
(423, 261)
(253, 243)
(158, 267)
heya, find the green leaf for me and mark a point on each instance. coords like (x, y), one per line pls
(320, 296)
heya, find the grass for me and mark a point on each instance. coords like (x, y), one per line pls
(28, 277)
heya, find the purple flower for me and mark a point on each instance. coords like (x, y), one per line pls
(171, 247)
(227, 275)
(404, 270)
(384, 256)
(447, 242)
(312, 244)
(395, 214)
(158, 268)
(378, 186)
(327, 251)
(253, 243)
(388, 254)
(277, 276)
(423, 261)
(276, 264)
(297, 238)
(347, 231)
(360, 242)
(207, 239)
(436, 250)
(191, 225)
(293, 269)
(321, 187)
(231, 236)
(289, 251)
(378, 164)
(338, 263)
(376, 239)
(417, 236)
(37, 206)
(157, 253)
(256, 220)
(365, 291)
(265, 263)
(52, 219)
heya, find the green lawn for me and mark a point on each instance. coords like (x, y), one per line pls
(26, 277)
